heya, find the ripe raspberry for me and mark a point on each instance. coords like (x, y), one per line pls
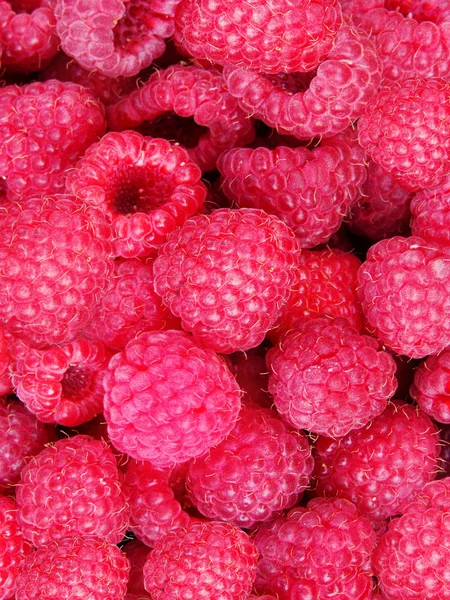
(166, 400)
(404, 288)
(269, 37)
(147, 187)
(329, 379)
(320, 551)
(227, 276)
(89, 567)
(5, 364)
(430, 211)
(206, 560)
(406, 129)
(44, 128)
(72, 488)
(137, 554)
(261, 468)
(431, 387)
(311, 191)
(54, 266)
(383, 465)
(188, 92)
(345, 82)
(116, 38)
(411, 561)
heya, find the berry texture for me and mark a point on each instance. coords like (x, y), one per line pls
(268, 37)
(405, 128)
(167, 400)
(206, 560)
(430, 211)
(431, 386)
(310, 190)
(44, 129)
(147, 187)
(381, 466)
(89, 567)
(70, 489)
(55, 262)
(329, 379)
(227, 275)
(404, 289)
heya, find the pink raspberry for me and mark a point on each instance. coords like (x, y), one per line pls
(404, 288)
(117, 38)
(383, 465)
(329, 379)
(430, 211)
(166, 400)
(188, 92)
(310, 190)
(260, 469)
(431, 387)
(147, 187)
(70, 489)
(54, 264)
(89, 567)
(227, 276)
(319, 551)
(411, 561)
(205, 560)
(44, 129)
(272, 36)
(405, 128)
(136, 552)
(6, 386)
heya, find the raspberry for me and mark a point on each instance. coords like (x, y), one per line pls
(320, 551)
(72, 488)
(166, 400)
(431, 387)
(430, 211)
(61, 384)
(271, 37)
(147, 187)
(261, 468)
(250, 371)
(137, 554)
(44, 128)
(188, 92)
(206, 560)
(404, 289)
(117, 38)
(5, 364)
(227, 276)
(89, 567)
(405, 128)
(311, 191)
(345, 82)
(383, 465)
(54, 266)
(329, 379)
(411, 560)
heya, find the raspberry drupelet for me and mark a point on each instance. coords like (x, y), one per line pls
(431, 386)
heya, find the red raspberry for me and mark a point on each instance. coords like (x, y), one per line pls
(188, 92)
(411, 561)
(44, 128)
(329, 379)
(6, 386)
(206, 560)
(227, 276)
(272, 36)
(54, 266)
(345, 82)
(117, 38)
(137, 554)
(431, 387)
(166, 400)
(261, 468)
(72, 488)
(147, 187)
(383, 465)
(406, 129)
(404, 287)
(89, 567)
(431, 214)
(321, 551)
(252, 376)
(311, 191)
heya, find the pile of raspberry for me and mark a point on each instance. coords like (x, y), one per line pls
(224, 300)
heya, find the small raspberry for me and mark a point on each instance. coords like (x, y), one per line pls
(227, 276)
(206, 560)
(166, 400)
(137, 554)
(72, 488)
(431, 387)
(430, 211)
(147, 187)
